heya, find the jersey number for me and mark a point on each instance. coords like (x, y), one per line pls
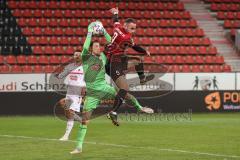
(114, 36)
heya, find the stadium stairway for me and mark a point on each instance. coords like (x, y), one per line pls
(214, 31)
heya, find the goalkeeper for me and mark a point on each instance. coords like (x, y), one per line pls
(96, 86)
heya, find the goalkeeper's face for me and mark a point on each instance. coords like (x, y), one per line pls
(130, 27)
(96, 48)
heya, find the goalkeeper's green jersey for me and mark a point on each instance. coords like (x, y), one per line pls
(93, 66)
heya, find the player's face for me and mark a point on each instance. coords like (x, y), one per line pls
(76, 56)
(96, 48)
(131, 27)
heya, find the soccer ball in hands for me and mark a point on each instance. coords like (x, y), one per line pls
(98, 28)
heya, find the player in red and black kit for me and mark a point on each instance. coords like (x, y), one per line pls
(119, 61)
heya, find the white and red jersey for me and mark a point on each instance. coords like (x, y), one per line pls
(121, 40)
(75, 75)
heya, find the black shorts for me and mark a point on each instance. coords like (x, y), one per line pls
(117, 69)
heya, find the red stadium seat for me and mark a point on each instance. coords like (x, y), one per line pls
(69, 31)
(74, 41)
(47, 13)
(53, 5)
(11, 59)
(17, 13)
(219, 60)
(63, 23)
(65, 59)
(179, 60)
(148, 60)
(49, 50)
(49, 69)
(169, 60)
(42, 4)
(37, 50)
(43, 40)
(216, 68)
(27, 69)
(48, 31)
(37, 13)
(37, 31)
(195, 68)
(1, 59)
(43, 22)
(206, 68)
(5, 69)
(32, 59)
(53, 23)
(189, 60)
(27, 31)
(38, 69)
(21, 59)
(16, 69)
(59, 50)
(186, 68)
(53, 41)
(199, 59)
(22, 22)
(54, 60)
(226, 68)
(26, 13)
(64, 41)
(43, 59)
(32, 22)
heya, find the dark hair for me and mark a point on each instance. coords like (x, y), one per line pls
(130, 20)
(77, 50)
(92, 42)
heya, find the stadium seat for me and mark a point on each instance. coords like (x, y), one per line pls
(11, 59)
(32, 59)
(199, 60)
(5, 69)
(65, 59)
(186, 68)
(49, 50)
(27, 69)
(38, 69)
(16, 69)
(195, 68)
(206, 68)
(21, 59)
(43, 59)
(49, 69)
(1, 59)
(54, 60)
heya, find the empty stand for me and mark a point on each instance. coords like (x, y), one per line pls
(52, 30)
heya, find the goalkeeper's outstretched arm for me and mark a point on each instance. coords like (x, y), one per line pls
(88, 40)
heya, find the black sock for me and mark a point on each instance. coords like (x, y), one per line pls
(119, 99)
(140, 70)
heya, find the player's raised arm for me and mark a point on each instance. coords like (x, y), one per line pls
(114, 11)
(107, 36)
(88, 40)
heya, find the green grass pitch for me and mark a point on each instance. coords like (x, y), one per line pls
(205, 137)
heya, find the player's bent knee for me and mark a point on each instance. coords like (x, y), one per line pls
(122, 93)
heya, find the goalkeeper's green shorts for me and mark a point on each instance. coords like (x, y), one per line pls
(95, 95)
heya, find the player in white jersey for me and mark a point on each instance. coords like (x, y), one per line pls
(74, 80)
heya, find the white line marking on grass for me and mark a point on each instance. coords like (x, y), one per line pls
(127, 146)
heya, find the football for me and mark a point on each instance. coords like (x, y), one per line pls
(98, 28)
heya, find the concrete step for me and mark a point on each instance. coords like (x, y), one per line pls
(213, 29)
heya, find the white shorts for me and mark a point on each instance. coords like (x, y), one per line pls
(73, 102)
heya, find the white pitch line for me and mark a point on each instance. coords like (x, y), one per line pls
(127, 146)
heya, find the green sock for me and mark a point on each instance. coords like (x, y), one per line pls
(135, 102)
(80, 136)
